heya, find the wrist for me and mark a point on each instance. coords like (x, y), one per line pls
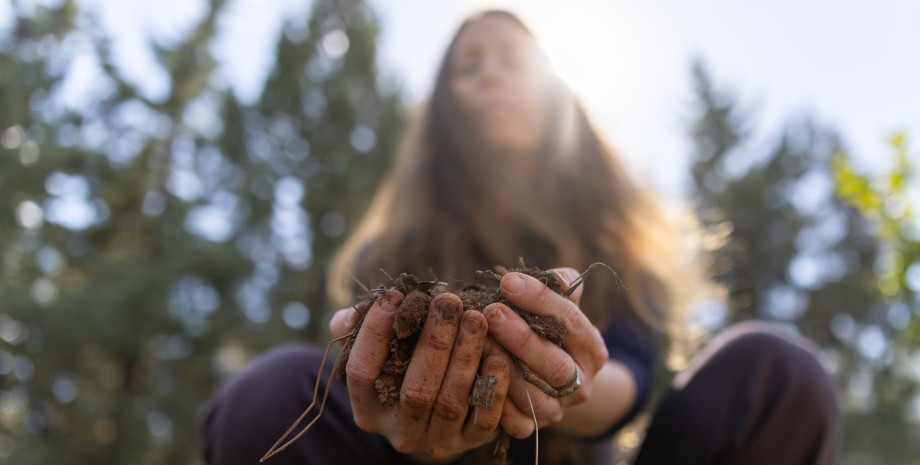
(613, 392)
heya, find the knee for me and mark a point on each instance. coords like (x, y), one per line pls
(255, 406)
(765, 354)
(277, 375)
(781, 361)
(759, 342)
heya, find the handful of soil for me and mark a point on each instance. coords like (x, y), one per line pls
(413, 311)
(410, 318)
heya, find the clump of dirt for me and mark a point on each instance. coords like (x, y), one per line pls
(483, 392)
(411, 314)
(413, 311)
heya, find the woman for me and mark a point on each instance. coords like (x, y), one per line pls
(502, 164)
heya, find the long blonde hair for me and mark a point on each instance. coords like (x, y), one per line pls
(436, 211)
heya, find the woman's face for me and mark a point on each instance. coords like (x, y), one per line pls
(500, 81)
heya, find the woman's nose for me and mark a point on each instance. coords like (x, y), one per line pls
(492, 72)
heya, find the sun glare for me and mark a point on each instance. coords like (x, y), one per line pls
(615, 57)
(579, 59)
(584, 44)
(614, 64)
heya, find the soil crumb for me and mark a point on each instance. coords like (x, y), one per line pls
(387, 387)
(411, 314)
(483, 393)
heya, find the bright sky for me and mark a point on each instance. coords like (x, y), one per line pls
(852, 64)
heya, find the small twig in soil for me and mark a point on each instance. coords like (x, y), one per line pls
(581, 278)
(363, 286)
(489, 274)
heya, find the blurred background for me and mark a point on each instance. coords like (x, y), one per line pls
(175, 176)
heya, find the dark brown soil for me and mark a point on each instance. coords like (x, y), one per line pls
(387, 387)
(484, 391)
(411, 315)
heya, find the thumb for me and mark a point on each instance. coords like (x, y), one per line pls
(343, 321)
(568, 276)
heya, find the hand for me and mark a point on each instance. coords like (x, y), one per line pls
(432, 416)
(583, 349)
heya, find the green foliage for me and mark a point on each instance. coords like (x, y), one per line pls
(150, 246)
(888, 200)
(801, 256)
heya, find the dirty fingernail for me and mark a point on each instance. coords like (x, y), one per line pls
(495, 315)
(448, 310)
(513, 283)
(494, 366)
(472, 325)
(388, 301)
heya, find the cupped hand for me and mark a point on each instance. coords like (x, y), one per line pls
(432, 418)
(582, 354)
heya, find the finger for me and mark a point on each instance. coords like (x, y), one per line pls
(452, 405)
(534, 403)
(546, 360)
(527, 293)
(368, 352)
(568, 276)
(481, 426)
(490, 346)
(343, 321)
(513, 419)
(429, 362)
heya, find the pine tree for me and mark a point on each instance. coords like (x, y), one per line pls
(894, 421)
(800, 256)
(151, 245)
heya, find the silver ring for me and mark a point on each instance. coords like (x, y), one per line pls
(569, 388)
(532, 378)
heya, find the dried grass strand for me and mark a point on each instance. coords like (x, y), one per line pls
(275, 448)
